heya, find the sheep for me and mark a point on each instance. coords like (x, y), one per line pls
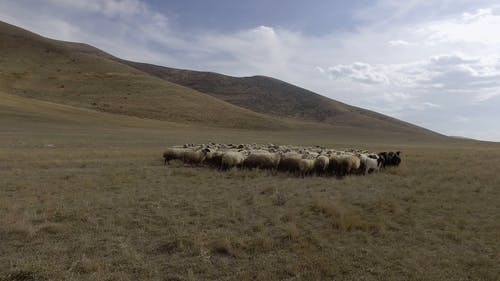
(310, 155)
(390, 158)
(262, 159)
(321, 164)
(369, 164)
(290, 162)
(341, 165)
(306, 167)
(214, 158)
(383, 159)
(295, 163)
(174, 153)
(355, 163)
(344, 164)
(232, 159)
(195, 157)
(299, 160)
(333, 164)
(394, 158)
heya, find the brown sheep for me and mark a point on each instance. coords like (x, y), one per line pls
(344, 164)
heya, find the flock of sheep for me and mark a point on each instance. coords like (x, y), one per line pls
(302, 161)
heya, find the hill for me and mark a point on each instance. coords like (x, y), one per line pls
(278, 98)
(77, 75)
(80, 75)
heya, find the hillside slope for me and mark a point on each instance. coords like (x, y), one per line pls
(74, 74)
(80, 75)
(277, 98)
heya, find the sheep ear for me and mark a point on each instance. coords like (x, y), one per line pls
(398, 152)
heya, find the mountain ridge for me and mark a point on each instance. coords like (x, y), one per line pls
(81, 75)
(268, 92)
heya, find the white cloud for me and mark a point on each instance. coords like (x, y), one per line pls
(109, 8)
(396, 96)
(479, 27)
(358, 71)
(451, 73)
(428, 92)
(398, 43)
(427, 104)
(458, 73)
(320, 69)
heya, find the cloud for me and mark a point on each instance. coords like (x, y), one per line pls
(450, 60)
(451, 73)
(458, 73)
(358, 71)
(109, 8)
(429, 92)
(396, 96)
(424, 67)
(398, 43)
(477, 27)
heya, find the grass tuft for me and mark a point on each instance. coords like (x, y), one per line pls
(292, 231)
(279, 198)
(223, 247)
(23, 275)
(343, 218)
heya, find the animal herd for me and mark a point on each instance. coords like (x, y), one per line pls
(298, 160)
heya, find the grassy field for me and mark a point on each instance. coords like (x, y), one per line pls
(84, 195)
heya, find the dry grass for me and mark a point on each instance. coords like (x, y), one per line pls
(127, 217)
(88, 198)
(343, 218)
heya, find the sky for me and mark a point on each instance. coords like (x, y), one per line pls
(432, 63)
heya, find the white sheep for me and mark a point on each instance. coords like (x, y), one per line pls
(195, 157)
(306, 167)
(299, 160)
(232, 159)
(369, 163)
(174, 153)
(321, 164)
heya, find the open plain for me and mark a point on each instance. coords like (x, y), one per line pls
(84, 195)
